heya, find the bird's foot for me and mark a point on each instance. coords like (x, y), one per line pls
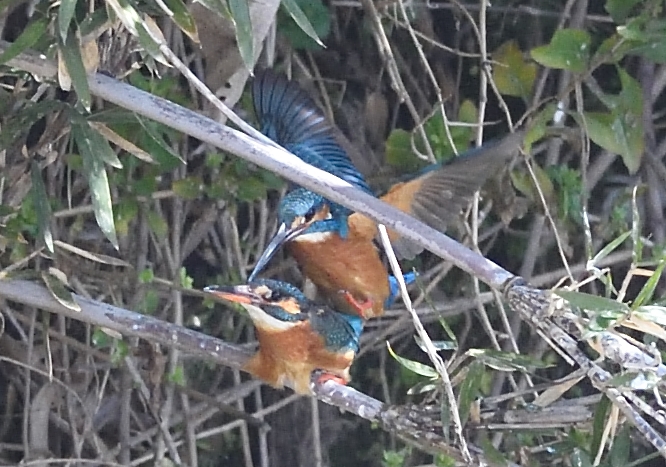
(320, 377)
(361, 307)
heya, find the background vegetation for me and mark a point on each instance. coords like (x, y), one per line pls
(130, 212)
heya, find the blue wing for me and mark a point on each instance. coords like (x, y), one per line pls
(394, 287)
(291, 118)
(341, 332)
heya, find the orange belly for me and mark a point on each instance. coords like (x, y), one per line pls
(352, 265)
(289, 357)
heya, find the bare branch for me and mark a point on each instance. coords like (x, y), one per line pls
(279, 161)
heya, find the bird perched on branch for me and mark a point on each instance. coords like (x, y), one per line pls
(296, 336)
(334, 246)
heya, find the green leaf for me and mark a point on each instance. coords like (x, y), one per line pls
(71, 53)
(240, 12)
(93, 167)
(507, 361)
(29, 37)
(177, 376)
(646, 293)
(569, 49)
(299, 17)
(153, 142)
(125, 13)
(104, 150)
(438, 345)
(218, 6)
(470, 388)
(150, 44)
(188, 187)
(647, 37)
(93, 22)
(620, 133)
(399, 152)
(101, 340)
(183, 19)
(416, 367)
(491, 453)
(608, 249)
(592, 302)
(251, 189)
(599, 423)
(621, 450)
(146, 276)
(620, 9)
(513, 75)
(59, 290)
(42, 206)
(158, 225)
(186, 281)
(65, 15)
(319, 17)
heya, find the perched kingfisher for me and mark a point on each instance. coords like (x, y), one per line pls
(334, 247)
(296, 336)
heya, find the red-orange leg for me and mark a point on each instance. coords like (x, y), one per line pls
(360, 307)
(323, 377)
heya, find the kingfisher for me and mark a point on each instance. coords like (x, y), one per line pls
(335, 247)
(296, 336)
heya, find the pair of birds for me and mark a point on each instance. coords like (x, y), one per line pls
(334, 246)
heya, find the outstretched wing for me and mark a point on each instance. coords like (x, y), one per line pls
(290, 117)
(438, 194)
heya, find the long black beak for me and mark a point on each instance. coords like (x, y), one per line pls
(282, 236)
(234, 293)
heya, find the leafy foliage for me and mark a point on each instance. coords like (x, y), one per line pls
(104, 202)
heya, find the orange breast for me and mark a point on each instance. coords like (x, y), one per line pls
(290, 357)
(351, 265)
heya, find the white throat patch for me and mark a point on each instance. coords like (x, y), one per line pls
(260, 316)
(315, 237)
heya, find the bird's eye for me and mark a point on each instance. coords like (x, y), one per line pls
(274, 295)
(310, 214)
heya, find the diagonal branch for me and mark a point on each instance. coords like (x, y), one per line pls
(279, 161)
(395, 419)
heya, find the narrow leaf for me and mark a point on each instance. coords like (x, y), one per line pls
(65, 15)
(59, 290)
(151, 38)
(217, 6)
(608, 249)
(299, 17)
(96, 257)
(29, 37)
(183, 18)
(42, 206)
(591, 302)
(154, 143)
(104, 150)
(93, 167)
(469, 390)
(122, 143)
(71, 53)
(645, 295)
(416, 367)
(126, 14)
(240, 13)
